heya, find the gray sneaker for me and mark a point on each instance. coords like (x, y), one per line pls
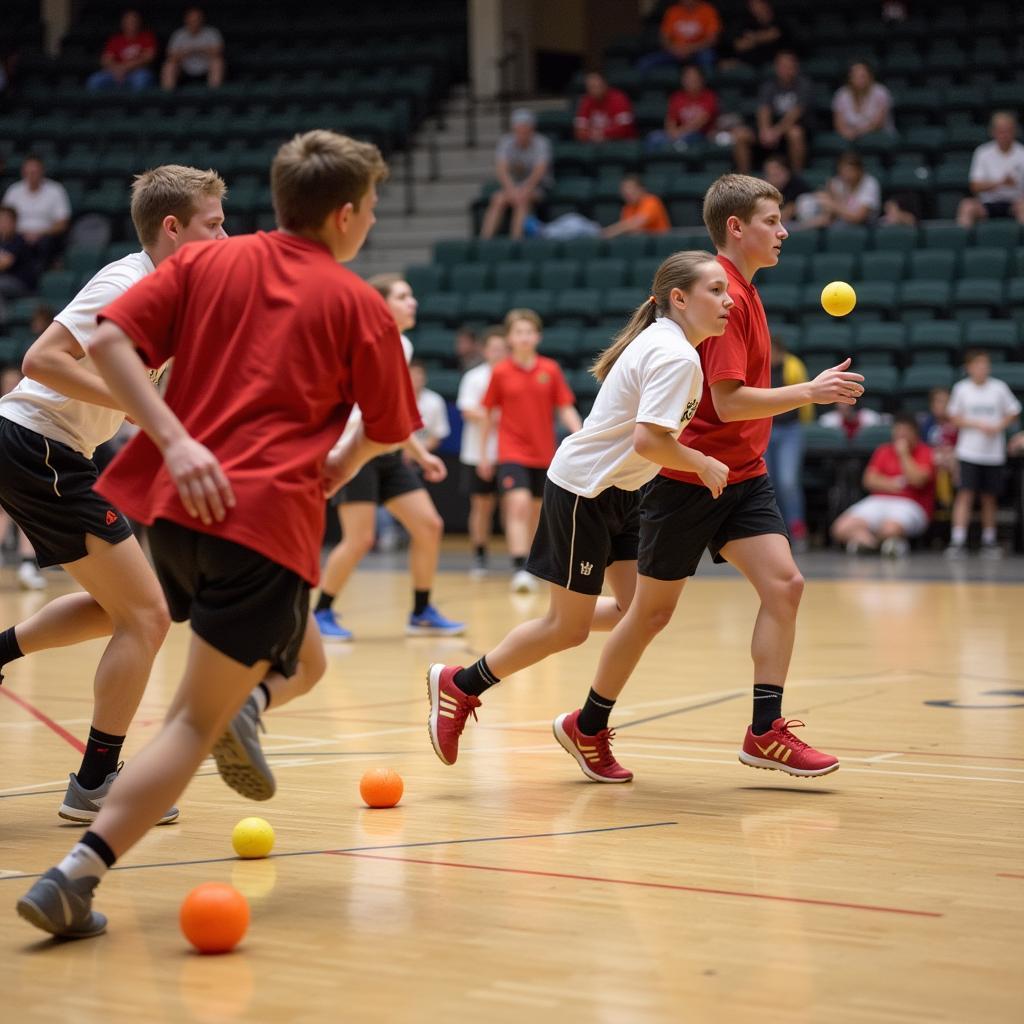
(62, 907)
(240, 759)
(82, 805)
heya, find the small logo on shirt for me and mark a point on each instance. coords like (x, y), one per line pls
(691, 408)
(586, 568)
(111, 517)
(543, 377)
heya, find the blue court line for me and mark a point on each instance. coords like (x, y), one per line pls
(368, 849)
(681, 711)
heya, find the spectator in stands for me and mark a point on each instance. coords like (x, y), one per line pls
(996, 176)
(127, 58)
(900, 480)
(777, 172)
(689, 32)
(195, 53)
(901, 208)
(603, 113)
(785, 115)
(938, 431)
(432, 408)
(643, 213)
(850, 419)
(523, 168)
(468, 350)
(861, 106)
(691, 114)
(43, 213)
(851, 197)
(981, 407)
(1015, 446)
(785, 454)
(760, 35)
(17, 269)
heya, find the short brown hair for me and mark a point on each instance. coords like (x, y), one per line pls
(321, 171)
(734, 195)
(170, 191)
(491, 331)
(523, 314)
(384, 283)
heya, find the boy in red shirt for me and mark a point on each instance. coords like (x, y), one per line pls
(273, 343)
(678, 516)
(603, 113)
(126, 57)
(525, 392)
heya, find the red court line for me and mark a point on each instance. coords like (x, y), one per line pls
(646, 885)
(45, 719)
(1007, 874)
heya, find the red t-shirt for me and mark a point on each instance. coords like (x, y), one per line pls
(609, 118)
(273, 342)
(682, 104)
(527, 400)
(887, 462)
(123, 49)
(743, 353)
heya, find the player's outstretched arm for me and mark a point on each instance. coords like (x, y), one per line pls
(54, 359)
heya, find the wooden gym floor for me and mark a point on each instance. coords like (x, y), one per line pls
(507, 888)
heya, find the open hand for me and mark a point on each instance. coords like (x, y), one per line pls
(202, 485)
(837, 384)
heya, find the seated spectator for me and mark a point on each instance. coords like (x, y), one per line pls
(777, 172)
(861, 106)
(523, 169)
(17, 269)
(643, 213)
(195, 53)
(851, 197)
(691, 114)
(760, 35)
(603, 112)
(689, 32)
(43, 212)
(467, 348)
(1015, 446)
(901, 208)
(938, 431)
(432, 408)
(785, 455)
(850, 419)
(127, 57)
(996, 176)
(900, 481)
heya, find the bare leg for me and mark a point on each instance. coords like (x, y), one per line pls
(215, 78)
(481, 516)
(890, 528)
(621, 577)
(519, 521)
(520, 211)
(849, 528)
(416, 512)
(492, 218)
(310, 670)
(962, 505)
(988, 511)
(358, 529)
(69, 619)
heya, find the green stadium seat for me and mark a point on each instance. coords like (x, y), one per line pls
(846, 238)
(832, 266)
(999, 234)
(867, 439)
(944, 236)
(496, 250)
(572, 192)
(433, 344)
(577, 305)
(973, 296)
(882, 266)
(781, 299)
(790, 270)
(919, 379)
(442, 308)
(630, 247)
(620, 302)
(540, 300)
(822, 441)
(514, 275)
(935, 341)
(1012, 374)
(831, 338)
(895, 237)
(425, 280)
(872, 341)
(21, 311)
(584, 249)
(803, 241)
(533, 250)
(1006, 95)
(487, 306)
(454, 250)
(468, 277)
(876, 296)
(559, 275)
(641, 272)
(985, 261)
(881, 385)
(1000, 337)
(445, 383)
(83, 263)
(594, 340)
(562, 344)
(605, 274)
(57, 287)
(932, 295)
(584, 386)
(932, 264)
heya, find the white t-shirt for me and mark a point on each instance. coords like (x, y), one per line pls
(183, 41)
(990, 163)
(472, 389)
(990, 402)
(80, 425)
(434, 413)
(866, 194)
(657, 379)
(356, 416)
(38, 211)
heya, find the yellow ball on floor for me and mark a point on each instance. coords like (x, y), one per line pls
(838, 298)
(252, 838)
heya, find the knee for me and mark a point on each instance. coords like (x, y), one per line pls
(653, 620)
(784, 594)
(362, 541)
(431, 527)
(150, 621)
(571, 635)
(313, 668)
(795, 134)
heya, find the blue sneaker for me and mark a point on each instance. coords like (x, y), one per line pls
(330, 628)
(432, 623)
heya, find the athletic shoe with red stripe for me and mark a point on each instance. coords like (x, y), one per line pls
(449, 709)
(593, 753)
(780, 750)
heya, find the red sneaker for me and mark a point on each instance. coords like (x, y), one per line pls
(593, 753)
(779, 749)
(449, 709)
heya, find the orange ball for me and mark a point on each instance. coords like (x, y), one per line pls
(214, 917)
(381, 787)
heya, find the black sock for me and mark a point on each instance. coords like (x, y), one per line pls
(98, 845)
(266, 693)
(100, 759)
(420, 600)
(325, 601)
(767, 707)
(519, 562)
(594, 716)
(475, 679)
(480, 551)
(9, 649)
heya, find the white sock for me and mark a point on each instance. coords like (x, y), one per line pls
(988, 535)
(959, 537)
(82, 862)
(260, 696)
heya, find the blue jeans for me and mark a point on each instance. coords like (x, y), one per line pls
(704, 59)
(140, 78)
(785, 458)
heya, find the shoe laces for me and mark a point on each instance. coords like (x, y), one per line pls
(797, 744)
(603, 742)
(467, 706)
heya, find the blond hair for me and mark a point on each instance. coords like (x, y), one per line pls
(321, 171)
(734, 195)
(680, 270)
(384, 283)
(170, 191)
(523, 314)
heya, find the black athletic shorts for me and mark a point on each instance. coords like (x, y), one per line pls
(239, 601)
(981, 479)
(577, 538)
(512, 476)
(46, 488)
(679, 520)
(473, 483)
(379, 481)
(998, 209)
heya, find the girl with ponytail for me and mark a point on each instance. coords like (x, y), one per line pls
(651, 383)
